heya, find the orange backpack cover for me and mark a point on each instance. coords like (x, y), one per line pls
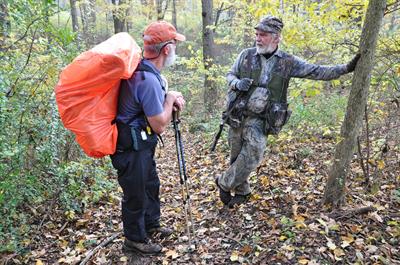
(87, 92)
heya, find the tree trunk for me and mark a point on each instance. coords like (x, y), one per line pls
(85, 23)
(148, 8)
(119, 16)
(92, 22)
(210, 89)
(248, 29)
(174, 14)
(129, 16)
(74, 16)
(160, 9)
(352, 124)
(5, 25)
(92, 13)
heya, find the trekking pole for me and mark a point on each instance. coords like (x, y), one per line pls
(183, 179)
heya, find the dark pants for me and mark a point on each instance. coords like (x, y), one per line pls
(140, 184)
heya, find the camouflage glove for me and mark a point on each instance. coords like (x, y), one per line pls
(352, 64)
(244, 84)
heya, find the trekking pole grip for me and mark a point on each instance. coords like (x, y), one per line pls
(175, 115)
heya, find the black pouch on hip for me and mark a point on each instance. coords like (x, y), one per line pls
(142, 140)
(277, 116)
(136, 139)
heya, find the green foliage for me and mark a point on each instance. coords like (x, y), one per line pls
(319, 114)
(83, 182)
(38, 163)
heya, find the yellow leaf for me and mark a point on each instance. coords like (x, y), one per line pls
(81, 222)
(303, 261)
(80, 247)
(300, 225)
(63, 243)
(291, 173)
(281, 238)
(299, 218)
(255, 197)
(70, 215)
(348, 239)
(265, 181)
(39, 262)
(26, 242)
(172, 253)
(123, 259)
(335, 82)
(338, 252)
(235, 256)
(381, 164)
(281, 173)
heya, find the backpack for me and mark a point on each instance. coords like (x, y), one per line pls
(87, 92)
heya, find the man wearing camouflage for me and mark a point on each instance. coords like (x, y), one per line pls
(258, 83)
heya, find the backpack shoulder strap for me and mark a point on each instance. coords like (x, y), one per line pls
(145, 68)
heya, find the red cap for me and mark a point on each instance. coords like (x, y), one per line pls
(161, 31)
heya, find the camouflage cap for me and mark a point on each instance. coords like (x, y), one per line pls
(270, 24)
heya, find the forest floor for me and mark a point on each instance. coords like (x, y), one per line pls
(283, 222)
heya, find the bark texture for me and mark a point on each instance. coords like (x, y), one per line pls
(210, 90)
(352, 124)
(5, 24)
(74, 16)
(119, 14)
(174, 22)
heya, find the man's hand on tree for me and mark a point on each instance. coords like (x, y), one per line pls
(352, 64)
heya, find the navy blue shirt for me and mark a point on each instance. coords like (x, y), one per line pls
(141, 95)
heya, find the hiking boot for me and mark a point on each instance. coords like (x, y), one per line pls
(145, 248)
(225, 196)
(161, 232)
(238, 199)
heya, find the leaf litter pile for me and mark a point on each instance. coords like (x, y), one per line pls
(283, 222)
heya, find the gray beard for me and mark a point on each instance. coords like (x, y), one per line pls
(265, 49)
(170, 60)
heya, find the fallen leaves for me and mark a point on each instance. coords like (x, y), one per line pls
(281, 223)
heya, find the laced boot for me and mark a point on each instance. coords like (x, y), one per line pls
(145, 248)
(238, 199)
(225, 196)
(161, 232)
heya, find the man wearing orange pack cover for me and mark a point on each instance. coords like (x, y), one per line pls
(145, 110)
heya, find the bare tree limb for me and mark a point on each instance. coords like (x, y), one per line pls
(351, 213)
(165, 8)
(27, 29)
(102, 244)
(218, 14)
(11, 90)
(368, 145)
(361, 158)
(219, 11)
(390, 8)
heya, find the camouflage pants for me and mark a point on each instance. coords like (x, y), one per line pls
(247, 151)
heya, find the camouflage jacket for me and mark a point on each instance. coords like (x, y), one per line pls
(275, 72)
